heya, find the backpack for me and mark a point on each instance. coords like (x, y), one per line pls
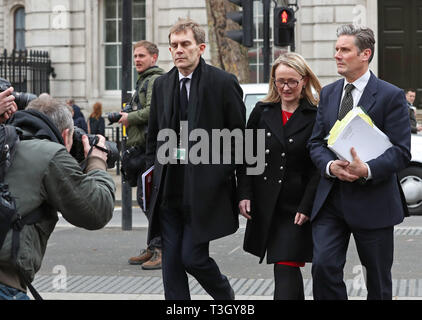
(10, 219)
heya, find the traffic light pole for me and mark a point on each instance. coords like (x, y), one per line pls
(126, 95)
(266, 51)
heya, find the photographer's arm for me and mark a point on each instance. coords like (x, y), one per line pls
(84, 200)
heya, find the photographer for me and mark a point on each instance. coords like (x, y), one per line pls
(7, 104)
(145, 56)
(44, 175)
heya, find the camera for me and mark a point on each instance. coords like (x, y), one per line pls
(21, 98)
(114, 117)
(78, 153)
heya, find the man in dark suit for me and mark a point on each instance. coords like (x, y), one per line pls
(363, 199)
(192, 204)
(410, 98)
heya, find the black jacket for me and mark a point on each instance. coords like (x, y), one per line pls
(286, 187)
(209, 193)
(79, 119)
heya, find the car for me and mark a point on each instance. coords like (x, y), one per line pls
(252, 93)
(410, 178)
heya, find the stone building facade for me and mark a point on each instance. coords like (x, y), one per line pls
(82, 37)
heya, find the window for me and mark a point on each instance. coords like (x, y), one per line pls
(113, 39)
(19, 29)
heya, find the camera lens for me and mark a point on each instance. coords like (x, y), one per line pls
(78, 152)
(22, 99)
(113, 117)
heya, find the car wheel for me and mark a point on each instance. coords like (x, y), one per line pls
(411, 183)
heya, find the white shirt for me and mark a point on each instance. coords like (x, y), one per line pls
(360, 85)
(181, 76)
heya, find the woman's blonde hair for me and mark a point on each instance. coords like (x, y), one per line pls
(296, 62)
(97, 111)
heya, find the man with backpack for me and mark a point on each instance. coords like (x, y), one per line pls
(145, 55)
(41, 178)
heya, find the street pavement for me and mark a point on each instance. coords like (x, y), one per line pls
(92, 265)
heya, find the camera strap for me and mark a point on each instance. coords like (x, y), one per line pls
(84, 163)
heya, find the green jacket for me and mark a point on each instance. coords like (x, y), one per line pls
(138, 120)
(43, 171)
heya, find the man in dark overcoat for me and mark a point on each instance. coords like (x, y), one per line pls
(192, 204)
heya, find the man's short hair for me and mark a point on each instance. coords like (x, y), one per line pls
(58, 112)
(149, 46)
(364, 37)
(409, 90)
(183, 25)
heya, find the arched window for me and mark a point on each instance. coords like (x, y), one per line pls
(19, 29)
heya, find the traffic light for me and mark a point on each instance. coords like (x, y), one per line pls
(245, 19)
(284, 26)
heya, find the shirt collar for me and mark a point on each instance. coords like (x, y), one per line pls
(181, 76)
(360, 83)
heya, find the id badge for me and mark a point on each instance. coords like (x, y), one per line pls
(179, 154)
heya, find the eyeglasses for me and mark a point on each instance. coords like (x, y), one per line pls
(291, 83)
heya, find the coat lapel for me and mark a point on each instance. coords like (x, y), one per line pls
(272, 117)
(198, 94)
(334, 102)
(170, 99)
(299, 119)
(368, 100)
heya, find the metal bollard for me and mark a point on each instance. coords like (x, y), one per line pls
(126, 200)
(119, 146)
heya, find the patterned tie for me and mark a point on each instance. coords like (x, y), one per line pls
(347, 102)
(184, 100)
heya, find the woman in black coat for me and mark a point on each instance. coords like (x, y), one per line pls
(278, 202)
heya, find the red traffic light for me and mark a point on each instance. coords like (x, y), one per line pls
(284, 24)
(284, 17)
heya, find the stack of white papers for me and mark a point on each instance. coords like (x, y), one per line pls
(356, 130)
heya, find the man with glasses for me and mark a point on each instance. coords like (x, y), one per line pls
(363, 199)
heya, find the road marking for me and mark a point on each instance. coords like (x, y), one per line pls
(407, 231)
(120, 285)
(234, 250)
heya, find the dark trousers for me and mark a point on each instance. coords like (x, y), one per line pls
(155, 243)
(331, 236)
(288, 283)
(181, 255)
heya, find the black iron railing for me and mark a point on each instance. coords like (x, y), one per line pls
(112, 133)
(27, 72)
